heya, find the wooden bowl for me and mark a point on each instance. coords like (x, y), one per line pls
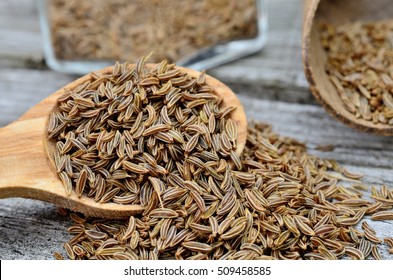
(314, 57)
(27, 167)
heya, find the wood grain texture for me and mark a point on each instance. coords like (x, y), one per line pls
(20, 31)
(271, 86)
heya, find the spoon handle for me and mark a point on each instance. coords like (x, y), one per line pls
(24, 165)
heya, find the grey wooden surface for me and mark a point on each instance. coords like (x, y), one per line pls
(270, 84)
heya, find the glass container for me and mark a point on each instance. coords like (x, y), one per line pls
(81, 36)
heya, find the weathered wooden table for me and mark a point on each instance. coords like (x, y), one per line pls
(271, 85)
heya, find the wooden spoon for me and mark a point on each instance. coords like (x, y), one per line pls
(314, 57)
(26, 155)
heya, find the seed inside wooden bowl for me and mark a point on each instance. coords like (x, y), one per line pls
(130, 135)
(359, 65)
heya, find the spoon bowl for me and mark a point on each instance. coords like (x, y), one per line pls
(314, 57)
(27, 166)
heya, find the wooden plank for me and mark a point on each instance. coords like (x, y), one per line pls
(20, 33)
(31, 230)
(21, 89)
